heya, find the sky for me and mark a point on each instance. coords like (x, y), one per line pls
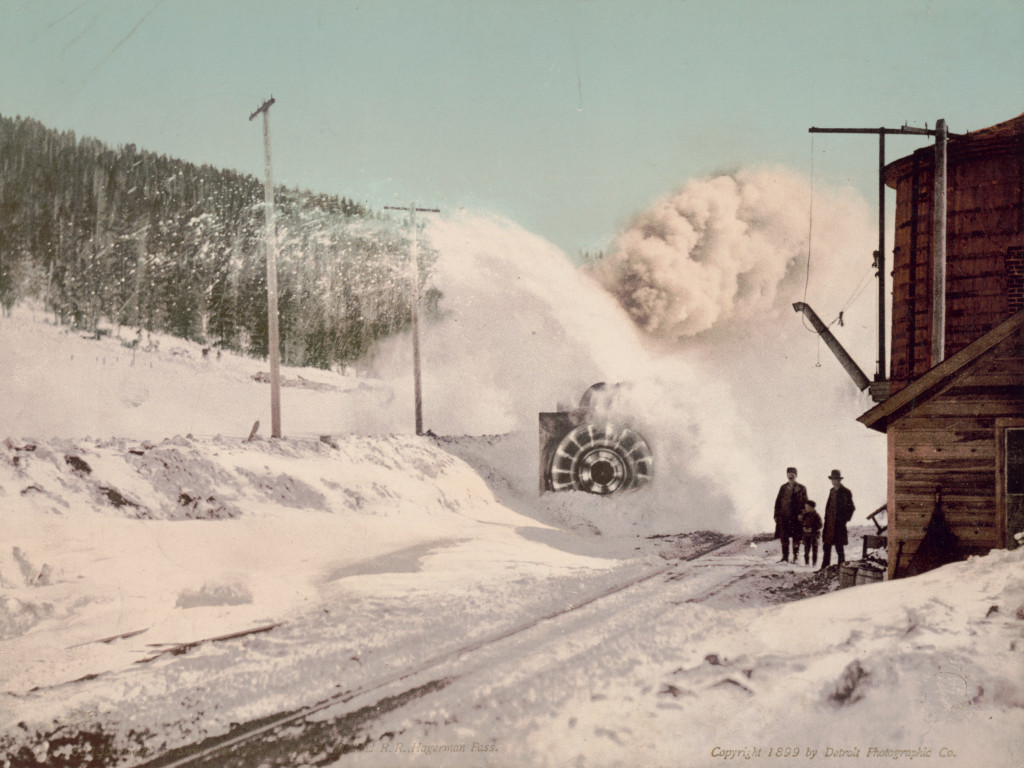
(567, 116)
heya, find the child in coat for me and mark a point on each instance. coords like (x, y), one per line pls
(810, 520)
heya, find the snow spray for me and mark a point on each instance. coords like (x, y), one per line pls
(692, 308)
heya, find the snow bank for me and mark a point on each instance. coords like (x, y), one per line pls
(190, 539)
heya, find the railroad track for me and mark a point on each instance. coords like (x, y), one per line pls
(332, 726)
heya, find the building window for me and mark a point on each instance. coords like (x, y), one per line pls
(1014, 474)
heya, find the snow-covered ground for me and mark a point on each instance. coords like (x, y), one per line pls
(164, 578)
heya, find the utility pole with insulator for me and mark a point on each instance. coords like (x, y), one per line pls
(415, 270)
(274, 343)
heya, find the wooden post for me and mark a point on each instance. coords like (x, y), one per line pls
(274, 342)
(414, 269)
(939, 247)
(880, 370)
(415, 266)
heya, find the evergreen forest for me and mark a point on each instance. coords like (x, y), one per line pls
(143, 243)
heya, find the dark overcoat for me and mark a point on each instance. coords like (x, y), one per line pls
(787, 521)
(812, 523)
(838, 512)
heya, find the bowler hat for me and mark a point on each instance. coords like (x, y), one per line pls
(835, 475)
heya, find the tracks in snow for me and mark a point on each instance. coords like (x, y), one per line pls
(331, 728)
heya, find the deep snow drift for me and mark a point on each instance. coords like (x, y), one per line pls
(137, 521)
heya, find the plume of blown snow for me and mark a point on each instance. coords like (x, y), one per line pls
(729, 249)
(523, 331)
(692, 309)
(520, 331)
(710, 273)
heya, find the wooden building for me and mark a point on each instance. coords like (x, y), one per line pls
(955, 426)
(958, 430)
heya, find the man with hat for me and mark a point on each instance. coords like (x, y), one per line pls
(789, 505)
(838, 512)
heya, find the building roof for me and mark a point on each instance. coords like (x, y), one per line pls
(925, 386)
(1012, 127)
(1001, 138)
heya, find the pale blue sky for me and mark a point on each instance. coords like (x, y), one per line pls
(568, 116)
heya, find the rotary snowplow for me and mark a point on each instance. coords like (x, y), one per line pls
(593, 448)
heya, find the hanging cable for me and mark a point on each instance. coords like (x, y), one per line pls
(862, 284)
(810, 236)
(810, 223)
(865, 281)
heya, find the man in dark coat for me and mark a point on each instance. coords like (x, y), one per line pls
(838, 512)
(789, 505)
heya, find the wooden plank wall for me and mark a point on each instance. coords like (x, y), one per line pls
(949, 440)
(985, 224)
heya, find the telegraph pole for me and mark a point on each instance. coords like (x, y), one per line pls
(415, 270)
(939, 246)
(880, 253)
(271, 245)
